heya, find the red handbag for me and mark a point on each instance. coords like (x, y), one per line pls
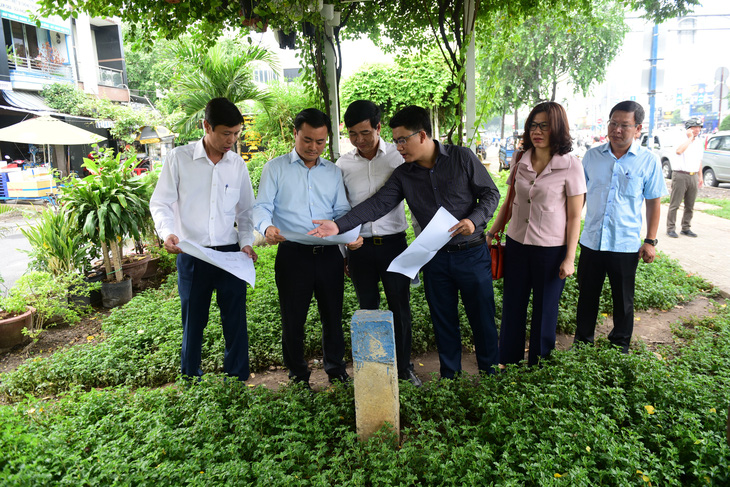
(496, 251)
(496, 248)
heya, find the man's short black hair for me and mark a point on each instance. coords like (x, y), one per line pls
(221, 111)
(314, 118)
(631, 107)
(412, 118)
(360, 111)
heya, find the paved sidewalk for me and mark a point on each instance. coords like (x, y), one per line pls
(707, 255)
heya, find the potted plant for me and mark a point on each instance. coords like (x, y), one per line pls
(106, 207)
(15, 317)
(47, 295)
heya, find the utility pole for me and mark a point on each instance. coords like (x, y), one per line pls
(652, 82)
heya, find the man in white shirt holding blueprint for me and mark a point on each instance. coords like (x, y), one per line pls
(204, 188)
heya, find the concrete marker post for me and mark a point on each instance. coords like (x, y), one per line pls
(376, 372)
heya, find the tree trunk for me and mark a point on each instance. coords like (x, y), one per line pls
(516, 124)
(555, 87)
(117, 259)
(105, 258)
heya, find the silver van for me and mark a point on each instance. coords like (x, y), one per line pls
(716, 159)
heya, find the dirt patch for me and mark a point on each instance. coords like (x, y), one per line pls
(52, 340)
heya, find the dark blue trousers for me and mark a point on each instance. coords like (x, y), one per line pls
(530, 269)
(593, 266)
(196, 281)
(469, 273)
(368, 265)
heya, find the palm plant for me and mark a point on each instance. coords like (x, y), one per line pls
(220, 71)
(57, 246)
(108, 205)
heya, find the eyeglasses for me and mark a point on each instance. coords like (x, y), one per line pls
(544, 126)
(624, 126)
(403, 140)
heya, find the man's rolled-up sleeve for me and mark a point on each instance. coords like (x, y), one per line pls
(485, 190)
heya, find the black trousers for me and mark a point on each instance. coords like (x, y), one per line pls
(369, 265)
(593, 267)
(301, 271)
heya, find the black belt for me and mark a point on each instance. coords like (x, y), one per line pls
(225, 248)
(465, 245)
(685, 172)
(310, 249)
(381, 239)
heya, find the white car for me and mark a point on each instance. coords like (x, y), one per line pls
(665, 146)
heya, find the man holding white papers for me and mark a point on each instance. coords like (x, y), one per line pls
(203, 190)
(452, 177)
(295, 189)
(365, 169)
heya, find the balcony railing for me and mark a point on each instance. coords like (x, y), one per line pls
(37, 64)
(110, 76)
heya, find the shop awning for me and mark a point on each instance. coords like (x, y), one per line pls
(26, 100)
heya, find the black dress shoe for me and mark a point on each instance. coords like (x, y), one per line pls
(689, 233)
(412, 378)
(672, 234)
(343, 377)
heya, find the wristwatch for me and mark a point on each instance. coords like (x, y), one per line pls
(651, 241)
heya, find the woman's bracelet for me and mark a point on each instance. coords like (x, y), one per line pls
(490, 234)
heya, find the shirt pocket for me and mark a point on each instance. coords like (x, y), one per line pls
(230, 199)
(630, 185)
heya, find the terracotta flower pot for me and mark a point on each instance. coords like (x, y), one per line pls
(11, 329)
(152, 266)
(135, 267)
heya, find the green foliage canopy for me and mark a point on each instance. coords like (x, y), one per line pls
(422, 80)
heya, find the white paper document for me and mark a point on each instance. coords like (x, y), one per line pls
(303, 238)
(237, 263)
(425, 246)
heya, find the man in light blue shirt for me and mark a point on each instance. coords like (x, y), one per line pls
(620, 176)
(295, 189)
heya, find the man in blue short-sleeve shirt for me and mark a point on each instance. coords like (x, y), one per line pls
(620, 176)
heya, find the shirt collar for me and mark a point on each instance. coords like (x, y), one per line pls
(633, 148)
(199, 152)
(558, 161)
(294, 157)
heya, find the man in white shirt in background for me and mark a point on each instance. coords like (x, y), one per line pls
(686, 179)
(365, 169)
(203, 190)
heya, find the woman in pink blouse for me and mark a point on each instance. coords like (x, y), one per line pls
(543, 233)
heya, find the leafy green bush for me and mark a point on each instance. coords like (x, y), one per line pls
(590, 416)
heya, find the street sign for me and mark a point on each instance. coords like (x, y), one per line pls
(722, 74)
(721, 90)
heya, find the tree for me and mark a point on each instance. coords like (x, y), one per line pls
(558, 46)
(422, 80)
(146, 70)
(409, 24)
(224, 70)
(725, 124)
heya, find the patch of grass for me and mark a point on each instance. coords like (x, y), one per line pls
(722, 212)
(590, 416)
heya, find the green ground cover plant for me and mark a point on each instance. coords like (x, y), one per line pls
(140, 342)
(722, 212)
(590, 416)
